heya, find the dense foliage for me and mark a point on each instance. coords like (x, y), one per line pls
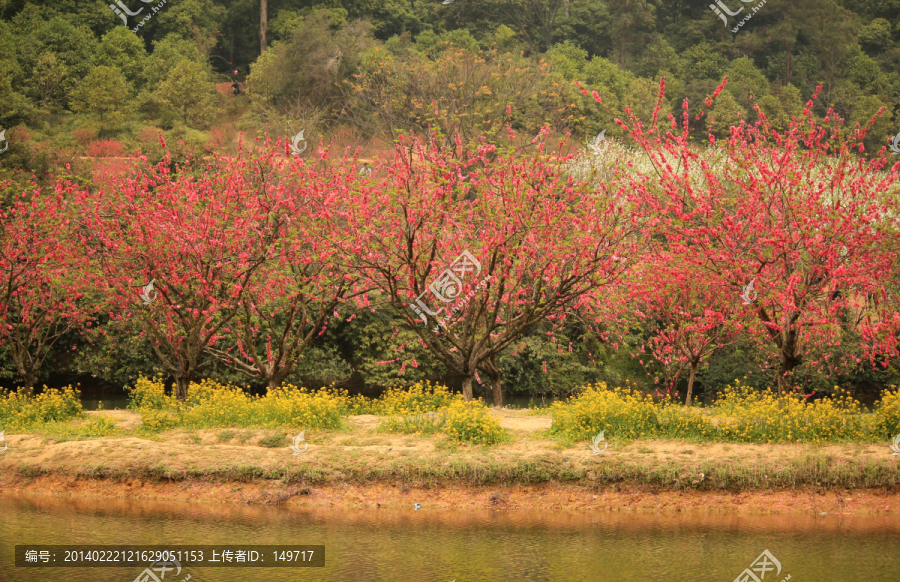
(74, 76)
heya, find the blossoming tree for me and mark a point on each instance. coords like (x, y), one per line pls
(295, 293)
(687, 313)
(200, 235)
(43, 279)
(796, 212)
(475, 251)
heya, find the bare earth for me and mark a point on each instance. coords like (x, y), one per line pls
(199, 450)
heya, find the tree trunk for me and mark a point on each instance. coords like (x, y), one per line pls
(263, 24)
(789, 361)
(788, 73)
(494, 373)
(496, 388)
(181, 388)
(27, 390)
(786, 340)
(467, 388)
(784, 377)
(690, 390)
(277, 379)
(785, 371)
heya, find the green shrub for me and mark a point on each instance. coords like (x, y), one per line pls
(274, 441)
(149, 394)
(160, 420)
(18, 412)
(416, 399)
(210, 405)
(623, 413)
(98, 426)
(887, 415)
(740, 414)
(472, 422)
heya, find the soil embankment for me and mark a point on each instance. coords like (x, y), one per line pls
(362, 468)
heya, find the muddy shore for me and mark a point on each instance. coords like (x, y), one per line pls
(547, 496)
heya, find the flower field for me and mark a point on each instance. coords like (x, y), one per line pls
(739, 415)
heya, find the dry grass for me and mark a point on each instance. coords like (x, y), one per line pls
(362, 455)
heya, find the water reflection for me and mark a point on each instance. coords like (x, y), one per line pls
(397, 546)
(109, 403)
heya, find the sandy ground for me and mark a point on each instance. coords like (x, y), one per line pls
(200, 450)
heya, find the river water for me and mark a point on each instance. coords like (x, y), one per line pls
(465, 546)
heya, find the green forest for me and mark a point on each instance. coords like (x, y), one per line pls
(86, 89)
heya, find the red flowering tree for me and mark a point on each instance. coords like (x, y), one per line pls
(881, 315)
(687, 313)
(42, 278)
(294, 294)
(201, 235)
(474, 252)
(797, 213)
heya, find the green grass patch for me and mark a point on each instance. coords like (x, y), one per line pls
(274, 441)
(423, 424)
(225, 435)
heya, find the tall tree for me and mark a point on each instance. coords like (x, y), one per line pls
(472, 261)
(881, 325)
(461, 95)
(104, 92)
(295, 293)
(43, 279)
(199, 237)
(535, 20)
(263, 24)
(188, 91)
(687, 312)
(796, 213)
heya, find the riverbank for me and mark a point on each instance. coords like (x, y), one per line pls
(360, 467)
(548, 496)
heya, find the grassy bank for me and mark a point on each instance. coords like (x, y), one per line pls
(425, 436)
(361, 454)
